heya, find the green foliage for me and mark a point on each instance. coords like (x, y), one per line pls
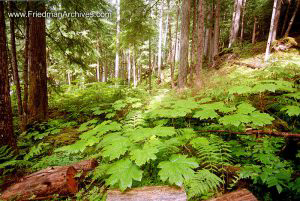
(292, 110)
(36, 150)
(142, 156)
(177, 169)
(202, 183)
(122, 173)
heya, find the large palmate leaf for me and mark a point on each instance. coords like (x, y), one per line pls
(145, 133)
(142, 156)
(177, 169)
(245, 108)
(234, 119)
(206, 114)
(261, 119)
(116, 148)
(122, 173)
(291, 110)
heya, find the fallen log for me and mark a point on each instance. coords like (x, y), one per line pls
(148, 193)
(254, 132)
(53, 180)
(85, 166)
(239, 195)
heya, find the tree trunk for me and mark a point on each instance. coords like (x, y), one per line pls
(175, 46)
(292, 19)
(117, 39)
(38, 97)
(160, 41)
(198, 79)
(217, 33)
(235, 26)
(194, 34)
(25, 69)
(134, 68)
(149, 193)
(6, 125)
(69, 78)
(150, 66)
(184, 43)
(268, 49)
(243, 19)
(128, 67)
(276, 21)
(286, 18)
(170, 52)
(15, 65)
(254, 30)
(211, 35)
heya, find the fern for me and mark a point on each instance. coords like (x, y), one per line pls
(202, 182)
(36, 150)
(122, 173)
(177, 169)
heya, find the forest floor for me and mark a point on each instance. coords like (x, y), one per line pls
(80, 110)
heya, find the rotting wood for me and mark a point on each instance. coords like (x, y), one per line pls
(86, 165)
(52, 180)
(247, 65)
(149, 193)
(254, 132)
(239, 195)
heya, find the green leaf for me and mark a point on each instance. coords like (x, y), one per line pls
(206, 114)
(291, 110)
(116, 148)
(239, 90)
(122, 173)
(177, 169)
(261, 119)
(245, 108)
(279, 188)
(199, 142)
(142, 156)
(234, 119)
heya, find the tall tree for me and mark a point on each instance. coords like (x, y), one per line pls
(175, 46)
(159, 59)
(268, 49)
(243, 19)
(184, 43)
(6, 124)
(235, 24)
(15, 63)
(128, 66)
(254, 30)
(117, 39)
(292, 19)
(38, 97)
(276, 20)
(286, 17)
(217, 33)
(198, 79)
(25, 69)
(194, 34)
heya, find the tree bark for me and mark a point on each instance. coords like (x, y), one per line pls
(53, 180)
(239, 195)
(38, 97)
(134, 68)
(25, 69)
(159, 59)
(292, 19)
(6, 125)
(268, 49)
(15, 63)
(117, 39)
(286, 17)
(217, 33)
(276, 21)
(150, 66)
(254, 30)
(175, 46)
(243, 19)
(149, 193)
(194, 34)
(128, 66)
(184, 43)
(235, 26)
(198, 80)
